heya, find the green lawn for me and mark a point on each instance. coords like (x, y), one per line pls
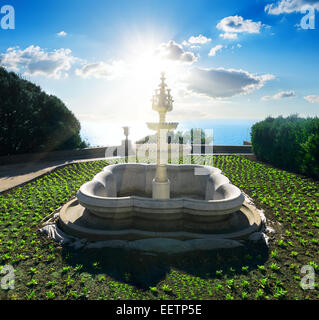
(45, 270)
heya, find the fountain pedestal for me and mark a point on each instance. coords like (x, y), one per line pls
(161, 184)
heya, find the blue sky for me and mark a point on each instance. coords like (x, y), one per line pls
(223, 59)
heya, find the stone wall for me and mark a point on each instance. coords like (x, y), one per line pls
(210, 149)
(100, 152)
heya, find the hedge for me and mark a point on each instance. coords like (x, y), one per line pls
(290, 143)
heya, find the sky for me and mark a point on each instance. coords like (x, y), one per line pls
(223, 59)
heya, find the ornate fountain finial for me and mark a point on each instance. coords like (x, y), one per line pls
(163, 76)
(162, 99)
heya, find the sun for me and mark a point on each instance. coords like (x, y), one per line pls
(146, 63)
(147, 66)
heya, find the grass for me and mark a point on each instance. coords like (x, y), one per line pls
(45, 270)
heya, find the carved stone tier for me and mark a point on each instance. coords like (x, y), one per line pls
(166, 125)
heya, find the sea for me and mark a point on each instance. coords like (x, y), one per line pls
(224, 131)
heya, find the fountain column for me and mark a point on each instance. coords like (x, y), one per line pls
(162, 103)
(126, 142)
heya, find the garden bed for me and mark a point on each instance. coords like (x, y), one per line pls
(45, 270)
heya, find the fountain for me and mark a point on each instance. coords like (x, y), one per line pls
(194, 206)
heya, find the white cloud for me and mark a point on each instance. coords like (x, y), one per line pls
(36, 61)
(101, 70)
(228, 35)
(312, 98)
(194, 47)
(285, 94)
(62, 34)
(213, 50)
(223, 83)
(174, 51)
(289, 6)
(233, 25)
(198, 40)
(280, 95)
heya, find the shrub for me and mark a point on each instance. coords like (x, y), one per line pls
(290, 143)
(33, 121)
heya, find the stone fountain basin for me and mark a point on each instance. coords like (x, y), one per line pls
(198, 193)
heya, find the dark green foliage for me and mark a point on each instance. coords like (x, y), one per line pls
(290, 143)
(33, 121)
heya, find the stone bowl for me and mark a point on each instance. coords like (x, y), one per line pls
(199, 194)
(79, 222)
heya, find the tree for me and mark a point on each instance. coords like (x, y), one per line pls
(33, 121)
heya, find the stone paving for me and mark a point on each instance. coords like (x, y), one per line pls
(16, 174)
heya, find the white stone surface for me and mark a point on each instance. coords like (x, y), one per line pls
(123, 188)
(160, 190)
(152, 245)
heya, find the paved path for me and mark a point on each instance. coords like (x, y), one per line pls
(15, 174)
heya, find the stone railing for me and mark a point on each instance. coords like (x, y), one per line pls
(100, 152)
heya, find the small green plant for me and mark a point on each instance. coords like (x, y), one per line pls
(101, 278)
(50, 295)
(273, 253)
(219, 273)
(69, 280)
(264, 282)
(166, 288)
(245, 283)
(78, 267)
(32, 282)
(66, 269)
(280, 293)
(73, 294)
(314, 265)
(245, 269)
(51, 283)
(259, 293)
(31, 295)
(229, 297)
(219, 287)
(103, 295)
(33, 270)
(230, 283)
(153, 290)
(244, 295)
(261, 267)
(231, 270)
(274, 267)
